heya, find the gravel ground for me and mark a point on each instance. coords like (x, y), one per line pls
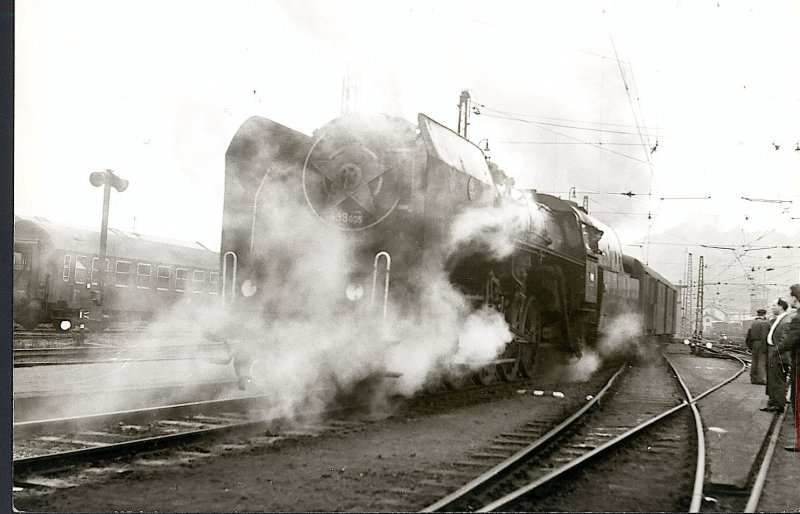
(400, 463)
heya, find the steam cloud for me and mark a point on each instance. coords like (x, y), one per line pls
(622, 338)
(305, 348)
(488, 229)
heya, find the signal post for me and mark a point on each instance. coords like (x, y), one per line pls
(107, 179)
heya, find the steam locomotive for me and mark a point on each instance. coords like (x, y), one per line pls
(362, 222)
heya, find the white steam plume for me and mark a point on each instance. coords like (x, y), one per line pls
(488, 229)
(622, 339)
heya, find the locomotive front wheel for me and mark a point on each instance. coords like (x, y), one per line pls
(433, 385)
(456, 379)
(507, 371)
(484, 375)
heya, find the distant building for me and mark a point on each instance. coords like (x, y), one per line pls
(713, 314)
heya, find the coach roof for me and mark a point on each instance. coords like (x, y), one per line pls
(77, 240)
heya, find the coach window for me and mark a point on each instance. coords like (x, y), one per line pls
(162, 278)
(19, 262)
(67, 265)
(181, 279)
(122, 274)
(81, 265)
(96, 270)
(143, 272)
(198, 277)
(213, 282)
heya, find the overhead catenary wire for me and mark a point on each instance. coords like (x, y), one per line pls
(630, 101)
(504, 115)
(572, 120)
(601, 147)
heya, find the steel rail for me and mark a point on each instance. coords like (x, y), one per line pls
(726, 382)
(507, 464)
(70, 458)
(774, 434)
(580, 460)
(43, 425)
(611, 444)
(700, 466)
(32, 357)
(699, 477)
(761, 478)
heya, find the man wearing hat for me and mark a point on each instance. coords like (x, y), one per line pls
(756, 341)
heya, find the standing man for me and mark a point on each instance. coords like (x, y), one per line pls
(777, 361)
(756, 341)
(790, 341)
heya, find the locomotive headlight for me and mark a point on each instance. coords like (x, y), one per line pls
(686, 342)
(249, 288)
(65, 324)
(354, 292)
(708, 345)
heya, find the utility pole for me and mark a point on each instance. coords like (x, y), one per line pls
(689, 295)
(682, 302)
(698, 322)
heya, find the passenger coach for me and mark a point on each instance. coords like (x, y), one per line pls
(57, 266)
(657, 299)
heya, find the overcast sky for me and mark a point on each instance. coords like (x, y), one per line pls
(155, 91)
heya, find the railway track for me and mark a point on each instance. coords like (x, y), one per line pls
(49, 447)
(93, 353)
(762, 465)
(61, 443)
(40, 335)
(641, 425)
(555, 475)
(52, 333)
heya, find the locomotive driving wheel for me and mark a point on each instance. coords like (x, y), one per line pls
(507, 371)
(456, 379)
(485, 375)
(532, 333)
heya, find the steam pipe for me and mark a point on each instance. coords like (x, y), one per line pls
(386, 281)
(225, 275)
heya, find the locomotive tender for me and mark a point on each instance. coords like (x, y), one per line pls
(393, 193)
(57, 266)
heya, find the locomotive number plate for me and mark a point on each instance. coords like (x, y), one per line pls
(346, 218)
